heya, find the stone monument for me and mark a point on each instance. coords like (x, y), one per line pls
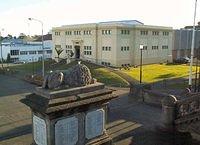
(70, 109)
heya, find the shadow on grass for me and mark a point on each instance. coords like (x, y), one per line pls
(165, 76)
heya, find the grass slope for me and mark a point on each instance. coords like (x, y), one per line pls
(157, 72)
(100, 73)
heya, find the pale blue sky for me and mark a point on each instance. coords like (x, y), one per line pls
(9, 4)
(14, 13)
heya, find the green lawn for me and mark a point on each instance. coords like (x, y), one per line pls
(100, 73)
(157, 72)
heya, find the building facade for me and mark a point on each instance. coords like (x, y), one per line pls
(182, 42)
(21, 50)
(114, 43)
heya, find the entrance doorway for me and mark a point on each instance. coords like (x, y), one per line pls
(77, 51)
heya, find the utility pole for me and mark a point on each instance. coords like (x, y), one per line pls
(192, 47)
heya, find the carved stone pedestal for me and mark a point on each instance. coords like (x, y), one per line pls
(75, 116)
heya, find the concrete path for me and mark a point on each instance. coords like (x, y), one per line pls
(128, 78)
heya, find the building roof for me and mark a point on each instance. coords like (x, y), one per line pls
(191, 27)
(12, 41)
(123, 22)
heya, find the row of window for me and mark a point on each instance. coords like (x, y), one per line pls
(77, 32)
(105, 63)
(156, 47)
(17, 52)
(87, 47)
(125, 32)
(57, 33)
(69, 46)
(14, 52)
(106, 48)
(35, 52)
(155, 33)
(88, 32)
(125, 48)
(87, 52)
(106, 32)
(68, 33)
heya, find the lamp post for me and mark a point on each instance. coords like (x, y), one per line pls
(141, 48)
(1, 48)
(192, 47)
(32, 19)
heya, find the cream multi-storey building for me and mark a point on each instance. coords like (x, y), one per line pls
(114, 43)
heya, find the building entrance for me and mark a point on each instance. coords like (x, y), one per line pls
(77, 52)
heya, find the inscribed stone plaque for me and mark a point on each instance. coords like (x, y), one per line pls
(39, 131)
(66, 131)
(94, 123)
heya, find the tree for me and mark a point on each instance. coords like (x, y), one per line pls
(9, 36)
(8, 58)
(22, 36)
(58, 51)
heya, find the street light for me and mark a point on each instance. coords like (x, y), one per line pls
(1, 48)
(192, 47)
(32, 19)
(141, 48)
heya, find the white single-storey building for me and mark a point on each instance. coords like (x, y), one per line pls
(114, 43)
(26, 51)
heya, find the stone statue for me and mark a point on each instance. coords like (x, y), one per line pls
(77, 76)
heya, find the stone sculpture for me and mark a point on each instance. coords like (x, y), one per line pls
(77, 76)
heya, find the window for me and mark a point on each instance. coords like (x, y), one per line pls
(87, 50)
(164, 47)
(125, 32)
(165, 33)
(49, 51)
(32, 52)
(14, 52)
(143, 32)
(154, 47)
(68, 33)
(77, 32)
(105, 63)
(106, 32)
(40, 52)
(125, 48)
(88, 32)
(155, 33)
(69, 46)
(106, 48)
(57, 33)
(144, 47)
(23, 52)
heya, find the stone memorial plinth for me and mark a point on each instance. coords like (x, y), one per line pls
(70, 116)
